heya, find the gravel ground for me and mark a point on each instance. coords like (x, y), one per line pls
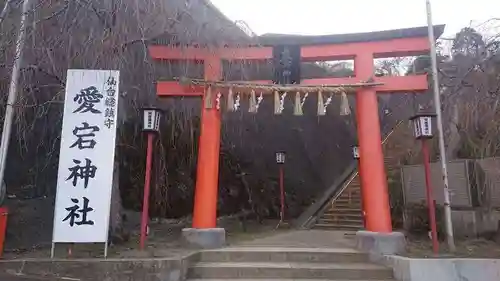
(470, 248)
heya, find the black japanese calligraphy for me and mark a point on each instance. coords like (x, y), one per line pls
(110, 101)
(87, 98)
(73, 213)
(85, 172)
(85, 135)
(111, 92)
(109, 122)
(110, 112)
(111, 81)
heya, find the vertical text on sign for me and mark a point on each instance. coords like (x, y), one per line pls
(86, 159)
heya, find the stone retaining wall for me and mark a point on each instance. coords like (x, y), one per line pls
(409, 269)
(153, 269)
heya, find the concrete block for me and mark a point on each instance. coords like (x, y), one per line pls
(208, 238)
(151, 269)
(295, 271)
(379, 244)
(408, 269)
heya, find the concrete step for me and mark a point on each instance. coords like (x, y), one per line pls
(347, 200)
(342, 202)
(282, 279)
(340, 221)
(333, 211)
(338, 226)
(352, 193)
(354, 186)
(351, 206)
(257, 254)
(260, 270)
(339, 215)
(347, 194)
(353, 197)
(356, 183)
(345, 203)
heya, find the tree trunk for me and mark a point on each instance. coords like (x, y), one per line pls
(497, 236)
(5, 11)
(454, 136)
(117, 233)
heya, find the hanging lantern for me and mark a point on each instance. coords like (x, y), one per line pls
(280, 157)
(422, 125)
(151, 119)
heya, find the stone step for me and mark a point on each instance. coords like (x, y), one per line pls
(281, 279)
(338, 206)
(333, 211)
(272, 254)
(338, 226)
(347, 202)
(350, 191)
(354, 186)
(334, 215)
(344, 202)
(340, 221)
(352, 196)
(347, 199)
(260, 270)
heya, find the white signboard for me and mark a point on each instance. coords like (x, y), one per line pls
(86, 158)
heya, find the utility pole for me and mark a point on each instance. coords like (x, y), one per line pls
(442, 151)
(11, 100)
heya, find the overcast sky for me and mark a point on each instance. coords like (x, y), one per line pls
(348, 16)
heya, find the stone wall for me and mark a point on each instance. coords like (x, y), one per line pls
(408, 269)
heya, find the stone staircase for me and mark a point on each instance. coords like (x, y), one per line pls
(285, 264)
(344, 212)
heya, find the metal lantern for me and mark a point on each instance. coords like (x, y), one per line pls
(422, 125)
(151, 119)
(355, 152)
(280, 157)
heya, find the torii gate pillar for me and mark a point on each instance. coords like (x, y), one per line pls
(371, 164)
(207, 170)
(204, 232)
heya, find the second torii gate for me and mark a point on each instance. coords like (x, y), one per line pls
(363, 49)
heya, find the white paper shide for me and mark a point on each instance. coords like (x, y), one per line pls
(86, 159)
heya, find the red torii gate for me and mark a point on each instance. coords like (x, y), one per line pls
(363, 48)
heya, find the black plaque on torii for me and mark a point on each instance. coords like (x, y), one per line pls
(286, 63)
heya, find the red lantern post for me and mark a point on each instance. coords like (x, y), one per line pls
(280, 160)
(151, 126)
(422, 125)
